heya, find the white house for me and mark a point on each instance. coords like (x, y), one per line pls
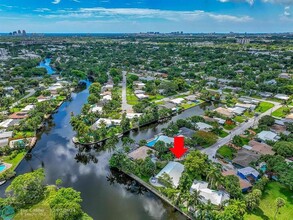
(177, 101)
(216, 197)
(107, 121)
(174, 170)
(282, 97)
(107, 98)
(141, 96)
(203, 126)
(28, 108)
(267, 136)
(96, 108)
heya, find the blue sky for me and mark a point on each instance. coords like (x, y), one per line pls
(124, 16)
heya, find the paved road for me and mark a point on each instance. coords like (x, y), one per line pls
(125, 107)
(211, 151)
(31, 92)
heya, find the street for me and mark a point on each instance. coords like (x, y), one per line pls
(125, 107)
(211, 151)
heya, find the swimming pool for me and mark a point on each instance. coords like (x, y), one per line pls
(152, 143)
(2, 167)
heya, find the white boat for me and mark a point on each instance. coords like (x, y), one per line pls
(2, 182)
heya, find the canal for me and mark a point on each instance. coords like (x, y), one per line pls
(106, 194)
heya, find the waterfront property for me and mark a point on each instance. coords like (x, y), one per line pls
(141, 153)
(165, 139)
(206, 194)
(174, 170)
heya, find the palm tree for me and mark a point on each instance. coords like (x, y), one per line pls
(214, 177)
(279, 203)
(194, 198)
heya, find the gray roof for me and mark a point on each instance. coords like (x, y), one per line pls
(3, 142)
(186, 132)
(6, 134)
(245, 157)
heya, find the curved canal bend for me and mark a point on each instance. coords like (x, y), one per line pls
(106, 194)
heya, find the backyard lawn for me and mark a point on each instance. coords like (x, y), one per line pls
(223, 134)
(14, 160)
(267, 205)
(131, 98)
(187, 105)
(281, 112)
(239, 119)
(264, 106)
(226, 152)
(156, 97)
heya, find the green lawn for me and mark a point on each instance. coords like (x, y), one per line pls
(131, 98)
(223, 134)
(248, 114)
(239, 118)
(281, 112)
(264, 106)
(23, 134)
(187, 105)
(15, 160)
(226, 152)
(267, 207)
(156, 97)
(229, 127)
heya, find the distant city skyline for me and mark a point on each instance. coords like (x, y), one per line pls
(134, 16)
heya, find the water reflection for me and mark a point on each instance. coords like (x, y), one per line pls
(86, 169)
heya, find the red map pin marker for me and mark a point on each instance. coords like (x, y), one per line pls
(178, 150)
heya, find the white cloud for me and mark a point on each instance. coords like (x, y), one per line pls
(42, 10)
(287, 12)
(56, 2)
(251, 2)
(283, 2)
(139, 13)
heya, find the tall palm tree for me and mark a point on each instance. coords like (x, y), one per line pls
(194, 199)
(214, 177)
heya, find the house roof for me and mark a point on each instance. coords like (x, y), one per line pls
(216, 197)
(238, 110)
(168, 105)
(6, 123)
(203, 126)
(177, 101)
(140, 153)
(248, 171)
(96, 108)
(282, 96)
(18, 115)
(107, 121)
(245, 157)
(267, 136)
(4, 142)
(174, 170)
(186, 132)
(261, 148)
(6, 134)
(224, 111)
(244, 184)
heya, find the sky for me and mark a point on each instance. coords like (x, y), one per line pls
(133, 16)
